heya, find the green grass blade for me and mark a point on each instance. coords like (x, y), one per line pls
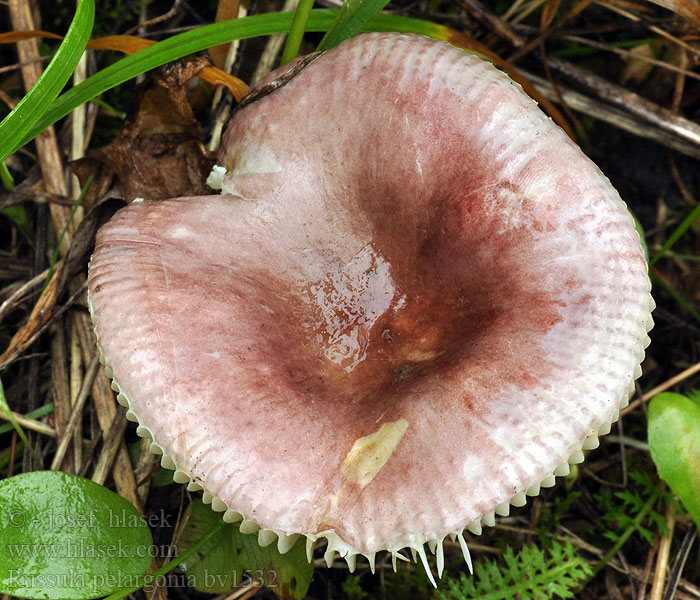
(656, 280)
(6, 177)
(350, 21)
(296, 33)
(399, 24)
(15, 126)
(7, 411)
(676, 235)
(159, 54)
(204, 37)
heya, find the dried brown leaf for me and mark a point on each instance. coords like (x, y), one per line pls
(11, 37)
(638, 69)
(158, 154)
(38, 319)
(212, 75)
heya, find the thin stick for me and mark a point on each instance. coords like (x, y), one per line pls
(223, 110)
(654, 28)
(60, 383)
(676, 379)
(78, 141)
(272, 48)
(651, 555)
(629, 101)
(47, 145)
(42, 311)
(115, 436)
(76, 414)
(225, 11)
(105, 409)
(23, 292)
(615, 116)
(617, 96)
(630, 55)
(29, 423)
(657, 588)
(77, 384)
(679, 563)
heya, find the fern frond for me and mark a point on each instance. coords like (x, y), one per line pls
(531, 574)
(622, 507)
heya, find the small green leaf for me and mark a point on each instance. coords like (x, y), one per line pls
(232, 558)
(38, 99)
(674, 441)
(18, 214)
(66, 537)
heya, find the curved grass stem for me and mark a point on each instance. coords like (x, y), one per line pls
(296, 31)
(39, 98)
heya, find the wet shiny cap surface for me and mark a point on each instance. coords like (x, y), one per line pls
(414, 301)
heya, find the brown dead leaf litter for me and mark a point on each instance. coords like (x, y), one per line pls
(624, 78)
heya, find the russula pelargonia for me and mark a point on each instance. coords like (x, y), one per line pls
(413, 304)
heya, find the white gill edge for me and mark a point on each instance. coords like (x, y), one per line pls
(334, 544)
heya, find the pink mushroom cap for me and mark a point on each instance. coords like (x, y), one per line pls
(414, 303)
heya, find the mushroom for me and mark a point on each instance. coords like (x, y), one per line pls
(414, 303)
